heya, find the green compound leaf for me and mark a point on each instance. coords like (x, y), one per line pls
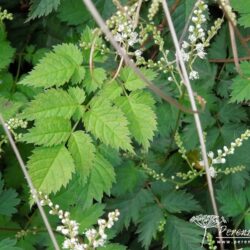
(142, 119)
(9, 108)
(100, 180)
(9, 244)
(243, 7)
(77, 94)
(130, 206)
(182, 235)
(73, 12)
(51, 103)
(88, 217)
(176, 202)
(107, 123)
(132, 81)
(57, 67)
(6, 54)
(83, 152)
(41, 8)
(8, 200)
(110, 91)
(95, 80)
(49, 131)
(150, 219)
(241, 85)
(232, 203)
(128, 176)
(51, 168)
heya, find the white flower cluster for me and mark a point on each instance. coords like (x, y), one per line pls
(222, 153)
(196, 38)
(196, 32)
(70, 228)
(14, 123)
(123, 26)
(229, 151)
(97, 238)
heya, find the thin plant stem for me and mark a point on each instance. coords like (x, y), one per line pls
(29, 181)
(194, 108)
(234, 48)
(99, 20)
(187, 24)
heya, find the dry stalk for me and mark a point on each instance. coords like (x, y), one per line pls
(99, 20)
(194, 108)
(30, 184)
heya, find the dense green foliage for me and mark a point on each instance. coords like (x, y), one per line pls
(96, 139)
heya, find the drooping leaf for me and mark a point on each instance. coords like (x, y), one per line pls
(150, 219)
(83, 152)
(49, 131)
(51, 103)
(8, 200)
(182, 235)
(56, 68)
(142, 119)
(51, 168)
(107, 123)
(41, 8)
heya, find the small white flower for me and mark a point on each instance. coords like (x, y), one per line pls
(138, 53)
(170, 78)
(185, 55)
(194, 19)
(67, 244)
(65, 231)
(212, 172)
(192, 38)
(185, 45)
(191, 28)
(118, 37)
(121, 28)
(131, 42)
(193, 75)
(90, 234)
